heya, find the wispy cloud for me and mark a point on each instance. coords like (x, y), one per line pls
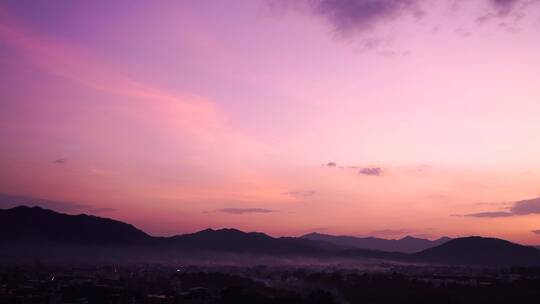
(191, 114)
(241, 211)
(372, 171)
(60, 161)
(504, 7)
(74, 64)
(536, 231)
(301, 194)
(516, 9)
(523, 207)
(349, 16)
(531, 206)
(491, 214)
(363, 17)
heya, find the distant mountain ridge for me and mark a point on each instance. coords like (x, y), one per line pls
(42, 225)
(476, 250)
(236, 241)
(407, 244)
(36, 233)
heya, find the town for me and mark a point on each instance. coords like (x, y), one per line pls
(168, 284)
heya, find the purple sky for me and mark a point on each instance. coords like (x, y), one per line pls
(346, 117)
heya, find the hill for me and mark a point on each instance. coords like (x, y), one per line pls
(29, 233)
(236, 241)
(25, 224)
(407, 244)
(477, 250)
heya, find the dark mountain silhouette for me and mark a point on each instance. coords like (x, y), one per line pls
(407, 244)
(46, 232)
(36, 233)
(472, 251)
(236, 241)
(477, 250)
(34, 224)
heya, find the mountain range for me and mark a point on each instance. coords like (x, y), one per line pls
(43, 225)
(30, 233)
(407, 244)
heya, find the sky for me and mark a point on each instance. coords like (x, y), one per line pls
(359, 117)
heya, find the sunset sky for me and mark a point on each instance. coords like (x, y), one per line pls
(359, 117)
